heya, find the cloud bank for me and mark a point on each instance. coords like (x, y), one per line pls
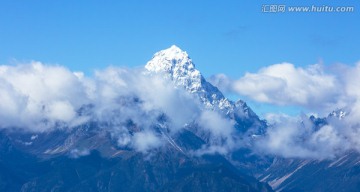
(284, 84)
(314, 88)
(133, 105)
(304, 137)
(38, 97)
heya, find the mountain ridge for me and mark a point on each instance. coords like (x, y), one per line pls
(176, 65)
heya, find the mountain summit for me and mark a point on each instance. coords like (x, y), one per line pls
(179, 66)
(170, 60)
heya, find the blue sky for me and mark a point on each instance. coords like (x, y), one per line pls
(230, 37)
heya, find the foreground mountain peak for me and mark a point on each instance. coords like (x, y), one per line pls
(178, 66)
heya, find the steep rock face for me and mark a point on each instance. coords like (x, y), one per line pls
(339, 174)
(176, 65)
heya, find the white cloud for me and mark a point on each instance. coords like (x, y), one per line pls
(61, 111)
(299, 137)
(36, 96)
(76, 153)
(116, 88)
(216, 124)
(144, 141)
(285, 84)
(223, 82)
(218, 131)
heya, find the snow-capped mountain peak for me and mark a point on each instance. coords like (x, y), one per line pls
(170, 59)
(176, 64)
(179, 67)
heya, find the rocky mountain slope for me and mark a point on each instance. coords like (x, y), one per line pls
(340, 173)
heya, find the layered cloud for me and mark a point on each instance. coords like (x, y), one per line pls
(314, 88)
(40, 97)
(136, 107)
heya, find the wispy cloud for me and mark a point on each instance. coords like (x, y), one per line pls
(301, 138)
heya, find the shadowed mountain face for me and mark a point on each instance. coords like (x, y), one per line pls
(340, 174)
(165, 169)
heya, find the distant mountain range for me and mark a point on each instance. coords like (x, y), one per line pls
(201, 155)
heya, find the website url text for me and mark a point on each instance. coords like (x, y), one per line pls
(273, 8)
